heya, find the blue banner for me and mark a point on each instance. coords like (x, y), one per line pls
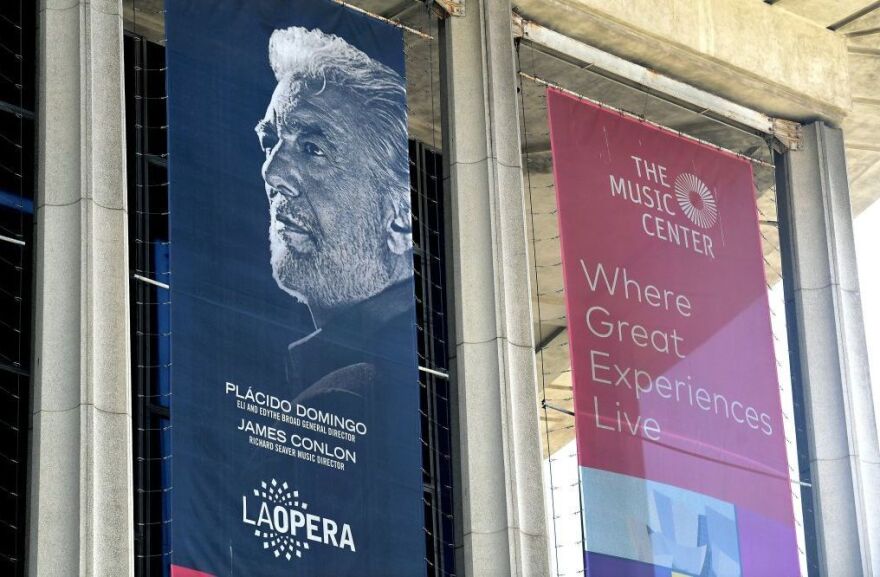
(295, 407)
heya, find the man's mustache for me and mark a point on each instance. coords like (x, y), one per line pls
(295, 219)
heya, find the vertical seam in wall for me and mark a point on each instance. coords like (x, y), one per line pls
(491, 184)
(806, 382)
(500, 302)
(86, 391)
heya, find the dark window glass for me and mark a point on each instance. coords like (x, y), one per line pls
(146, 134)
(430, 284)
(17, 50)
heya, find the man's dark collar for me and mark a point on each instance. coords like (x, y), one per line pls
(360, 332)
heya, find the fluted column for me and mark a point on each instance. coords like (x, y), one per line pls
(830, 362)
(81, 478)
(501, 528)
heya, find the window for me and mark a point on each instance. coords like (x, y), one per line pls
(17, 88)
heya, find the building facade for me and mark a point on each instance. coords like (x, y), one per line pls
(788, 85)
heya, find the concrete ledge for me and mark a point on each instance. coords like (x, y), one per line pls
(745, 51)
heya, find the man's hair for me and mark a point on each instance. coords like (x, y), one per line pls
(318, 59)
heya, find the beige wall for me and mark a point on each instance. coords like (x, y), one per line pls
(772, 61)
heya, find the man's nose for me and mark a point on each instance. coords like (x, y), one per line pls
(277, 172)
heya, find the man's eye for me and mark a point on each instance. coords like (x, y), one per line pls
(312, 149)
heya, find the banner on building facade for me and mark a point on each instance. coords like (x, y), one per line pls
(677, 411)
(295, 412)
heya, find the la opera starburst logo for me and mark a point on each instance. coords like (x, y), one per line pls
(695, 200)
(284, 524)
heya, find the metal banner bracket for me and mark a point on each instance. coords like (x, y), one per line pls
(445, 8)
(788, 133)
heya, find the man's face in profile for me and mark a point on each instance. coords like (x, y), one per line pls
(327, 233)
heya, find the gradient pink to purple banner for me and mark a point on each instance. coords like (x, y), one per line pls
(669, 330)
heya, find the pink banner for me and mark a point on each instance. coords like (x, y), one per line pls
(178, 571)
(679, 426)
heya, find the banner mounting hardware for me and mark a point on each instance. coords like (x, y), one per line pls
(446, 8)
(151, 281)
(720, 109)
(394, 23)
(543, 82)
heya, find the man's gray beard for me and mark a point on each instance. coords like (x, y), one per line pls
(335, 275)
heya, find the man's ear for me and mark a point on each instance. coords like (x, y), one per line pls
(398, 225)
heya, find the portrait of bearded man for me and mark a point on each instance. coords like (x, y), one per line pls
(337, 183)
(295, 351)
(336, 178)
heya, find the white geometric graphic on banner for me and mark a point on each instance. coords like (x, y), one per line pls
(695, 200)
(281, 544)
(286, 526)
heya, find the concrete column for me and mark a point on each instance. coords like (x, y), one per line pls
(81, 479)
(830, 364)
(500, 522)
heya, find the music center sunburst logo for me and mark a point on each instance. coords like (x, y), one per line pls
(695, 200)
